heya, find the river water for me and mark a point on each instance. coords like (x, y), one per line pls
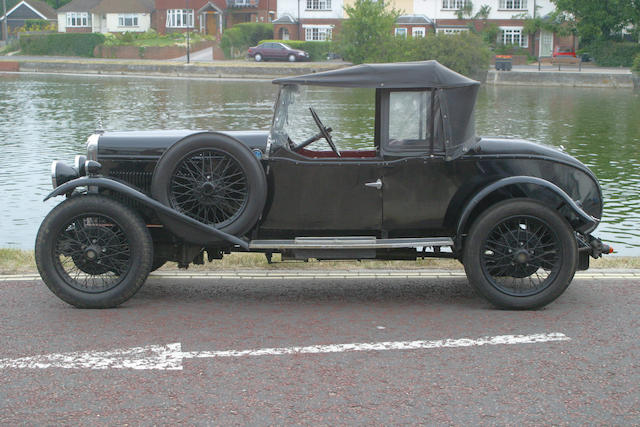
(45, 118)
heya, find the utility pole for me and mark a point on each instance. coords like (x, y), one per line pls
(5, 33)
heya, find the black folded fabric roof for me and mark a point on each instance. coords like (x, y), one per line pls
(430, 74)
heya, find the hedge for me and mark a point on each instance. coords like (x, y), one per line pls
(64, 44)
(636, 63)
(611, 53)
(318, 51)
(237, 39)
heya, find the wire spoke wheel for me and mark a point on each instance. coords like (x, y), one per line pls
(521, 256)
(210, 186)
(92, 253)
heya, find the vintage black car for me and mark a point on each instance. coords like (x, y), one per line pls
(517, 214)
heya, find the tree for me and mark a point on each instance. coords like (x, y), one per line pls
(368, 32)
(598, 19)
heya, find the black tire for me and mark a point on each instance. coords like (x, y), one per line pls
(292, 58)
(520, 254)
(257, 57)
(93, 252)
(214, 179)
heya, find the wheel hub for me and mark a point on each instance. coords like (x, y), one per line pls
(91, 253)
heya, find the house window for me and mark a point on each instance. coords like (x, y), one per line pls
(417, 32)
(179, 18)
(514, 36)
(128, 20)
(513, 4)
(77, 19)
(318, 4)
(454, 4)
(451, 30)
(401, 32)
(317, 33)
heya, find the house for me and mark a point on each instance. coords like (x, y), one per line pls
(209, 16)
(508, 15)
(105, 16)
(311, 20)
(28, 10)
(319, 19)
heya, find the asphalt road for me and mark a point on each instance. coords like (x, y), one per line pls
(592, 376)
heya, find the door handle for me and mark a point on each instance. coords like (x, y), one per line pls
(377, 184)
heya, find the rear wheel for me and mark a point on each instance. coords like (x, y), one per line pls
(257, 57)
(93, 252)
(520, 254)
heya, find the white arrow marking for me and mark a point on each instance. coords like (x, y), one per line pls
(170, 356)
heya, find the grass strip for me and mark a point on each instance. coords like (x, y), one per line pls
(16, 261)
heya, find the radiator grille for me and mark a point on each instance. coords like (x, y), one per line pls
(141, 180)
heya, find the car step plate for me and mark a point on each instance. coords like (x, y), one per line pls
(365, 242)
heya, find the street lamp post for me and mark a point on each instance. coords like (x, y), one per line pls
(5, 34)
(188, 26)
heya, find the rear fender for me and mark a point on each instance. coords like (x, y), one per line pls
(136, 195)
(585, 224)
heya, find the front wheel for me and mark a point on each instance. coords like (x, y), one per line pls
(292, 58)
(93, 252)
(520, 254)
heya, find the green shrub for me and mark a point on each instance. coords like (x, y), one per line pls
(636, 63)
(318, 51)
(609, 53)
(236, 40)
(64, 44)
(465, 52)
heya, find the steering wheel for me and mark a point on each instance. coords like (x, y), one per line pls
(325, 132)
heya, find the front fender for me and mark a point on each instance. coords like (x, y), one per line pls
(587, 222)
(121, 188)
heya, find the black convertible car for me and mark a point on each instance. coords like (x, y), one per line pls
(518, 215)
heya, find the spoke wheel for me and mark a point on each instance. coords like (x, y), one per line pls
(214, 179)
(519, 254)
(210, 186)
(93, 252)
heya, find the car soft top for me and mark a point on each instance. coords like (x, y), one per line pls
(422, 74)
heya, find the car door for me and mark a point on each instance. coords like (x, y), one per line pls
(279, 51)
(417, 182)
(323, 197)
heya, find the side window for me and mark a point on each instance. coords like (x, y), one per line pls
(409, 113)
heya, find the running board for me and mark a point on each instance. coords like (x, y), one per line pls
(366, 242)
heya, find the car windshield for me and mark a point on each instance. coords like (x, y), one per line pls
(349, 112)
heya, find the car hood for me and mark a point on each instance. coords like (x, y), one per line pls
(151, 144)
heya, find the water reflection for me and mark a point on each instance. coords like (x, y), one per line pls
(49, 117)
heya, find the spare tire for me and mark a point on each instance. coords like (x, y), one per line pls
(212, 178)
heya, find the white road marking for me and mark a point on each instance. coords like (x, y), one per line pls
(170, 356)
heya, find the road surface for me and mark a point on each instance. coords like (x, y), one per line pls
(307, 350)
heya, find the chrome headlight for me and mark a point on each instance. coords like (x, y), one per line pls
(92, 147)
(78, 164)
(61, 173)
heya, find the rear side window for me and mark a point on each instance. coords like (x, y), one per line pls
(409, 127)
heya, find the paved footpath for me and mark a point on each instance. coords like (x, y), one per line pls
(310, 347)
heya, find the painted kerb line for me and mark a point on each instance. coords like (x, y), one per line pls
(171, 356)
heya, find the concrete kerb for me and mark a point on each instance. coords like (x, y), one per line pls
(605, 274)
(168, 68)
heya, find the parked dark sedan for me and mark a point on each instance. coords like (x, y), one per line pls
(279, 51)
(517, 214)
